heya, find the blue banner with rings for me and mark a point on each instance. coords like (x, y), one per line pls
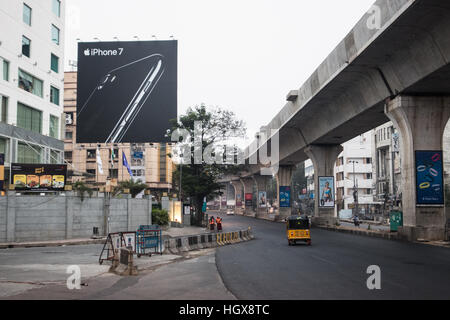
(285, 196)
(429, 178)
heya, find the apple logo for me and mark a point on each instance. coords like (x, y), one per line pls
(87, 52)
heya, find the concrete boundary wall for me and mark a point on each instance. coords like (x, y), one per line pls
(25, 218)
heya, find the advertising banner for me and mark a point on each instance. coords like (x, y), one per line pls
(326, 192)
(126, 91)
(238, 200)
(2, 172)
(248, 199)
(38, 177)
(262, 199)
(429, 178)
(285, 196)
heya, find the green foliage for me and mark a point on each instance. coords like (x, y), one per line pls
(200, 180)
(135, 187)
(160, 217)
(82, 188)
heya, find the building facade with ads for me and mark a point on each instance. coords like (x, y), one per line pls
(31, 81)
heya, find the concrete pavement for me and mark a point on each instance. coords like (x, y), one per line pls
(334, 267)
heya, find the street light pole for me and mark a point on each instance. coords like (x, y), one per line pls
(355, 189)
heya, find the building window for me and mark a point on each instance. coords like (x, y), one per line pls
(30, 84)
(162, 164)
(69, 135)
(368, 176)
(26, 46)
(91, 153)
(26, 14)
(54, 157)
(57, 8)
(113, 173)
(67, 154)
(54, 127)
(28, 153)
(4, 109)
(5, 66)
(91, 174)
(4, 148)
(29, 118)
(54, 95)
(368, 160)
(55, 34)
(54, 63)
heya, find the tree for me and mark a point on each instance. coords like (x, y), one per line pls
(81, 188)
(208, 132)
(135, 187)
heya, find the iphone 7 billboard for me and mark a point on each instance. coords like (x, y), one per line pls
(126, 91)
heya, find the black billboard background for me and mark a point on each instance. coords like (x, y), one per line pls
(25, 169)
(101, 109)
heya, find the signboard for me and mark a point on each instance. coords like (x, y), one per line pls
(285, 196)
(138, 155)
(248, 199)
(326, 192)
(262, 199)
(38, 177)
(429, 178)
(2, 172)
(238, 200)
(126, 91)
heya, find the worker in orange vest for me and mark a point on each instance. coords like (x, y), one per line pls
(211, 223)
(219, 223)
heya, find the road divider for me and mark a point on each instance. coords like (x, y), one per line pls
(177, 245)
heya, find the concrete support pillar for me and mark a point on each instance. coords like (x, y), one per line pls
(238, 191)
(323, 158)
(421, 122)
(262, 182)
(248, 184)
(284, 181)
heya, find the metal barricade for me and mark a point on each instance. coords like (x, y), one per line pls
(148, 237)
(113, 242)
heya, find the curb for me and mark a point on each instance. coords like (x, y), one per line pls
(51, 243)
(370, 233)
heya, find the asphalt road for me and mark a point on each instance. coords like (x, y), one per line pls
(334, 267)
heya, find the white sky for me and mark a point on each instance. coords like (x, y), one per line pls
(242, 55)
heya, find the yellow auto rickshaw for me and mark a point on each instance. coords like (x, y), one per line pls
(298, 229)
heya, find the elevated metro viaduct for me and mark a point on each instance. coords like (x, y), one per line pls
(398, 72)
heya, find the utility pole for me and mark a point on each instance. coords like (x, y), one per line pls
(355, 189)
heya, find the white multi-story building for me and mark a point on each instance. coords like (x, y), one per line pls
(32, 80)
(353, 168)
(353, 171)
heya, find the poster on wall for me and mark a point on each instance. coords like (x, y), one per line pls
(262, 199)
(248, 199)
(126, 91)
(238, 200)
(285, 196)
(429, 178)
(326, 192)
(2, 172)
(38, 177)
